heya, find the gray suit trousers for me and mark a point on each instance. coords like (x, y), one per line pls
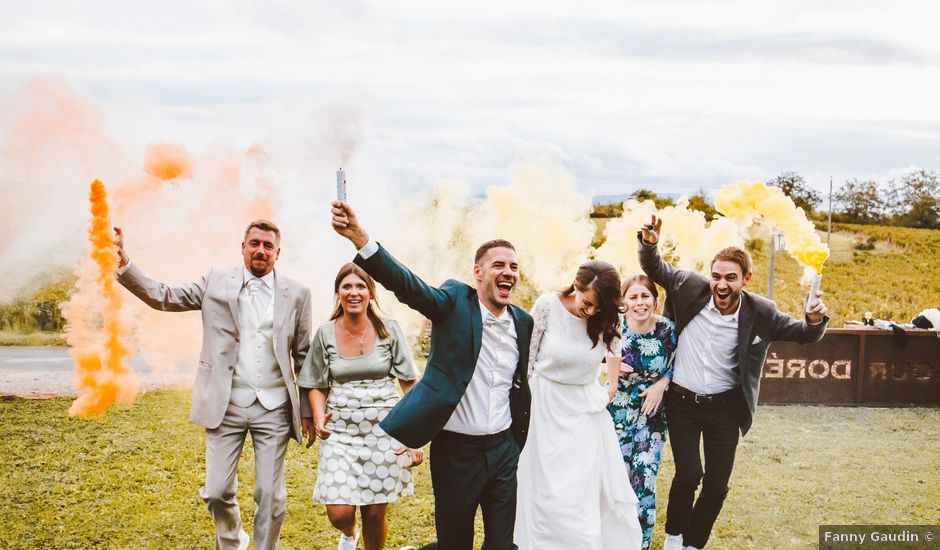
(270, 432)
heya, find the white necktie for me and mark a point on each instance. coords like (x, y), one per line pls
(254, 296)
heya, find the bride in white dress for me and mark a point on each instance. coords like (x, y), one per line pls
(574, 491)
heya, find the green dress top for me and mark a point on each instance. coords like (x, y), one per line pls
(390, 357)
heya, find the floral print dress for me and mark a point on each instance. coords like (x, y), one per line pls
(642, 438)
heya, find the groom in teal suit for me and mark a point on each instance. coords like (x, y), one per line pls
(472, 402)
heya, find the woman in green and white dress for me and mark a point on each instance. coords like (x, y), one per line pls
(350, 373)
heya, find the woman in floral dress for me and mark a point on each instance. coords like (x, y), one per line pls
(647, 345)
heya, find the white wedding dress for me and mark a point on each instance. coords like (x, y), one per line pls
(574, 489)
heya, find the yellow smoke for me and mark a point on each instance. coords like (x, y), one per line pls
(690, 242)
(687, 239)
(539, 210)
(95, 332)
(748, 202)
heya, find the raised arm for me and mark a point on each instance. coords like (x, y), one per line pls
(410, 289)
(152, 292)
(658, 270)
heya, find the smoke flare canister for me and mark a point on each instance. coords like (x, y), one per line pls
(341, 185)
(813, 289)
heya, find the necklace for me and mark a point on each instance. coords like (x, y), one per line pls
(360, 338)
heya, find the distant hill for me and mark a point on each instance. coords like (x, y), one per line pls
(617, 199)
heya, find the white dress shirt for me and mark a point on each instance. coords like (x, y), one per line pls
(484, 408)
(368, 249)
(707, 351)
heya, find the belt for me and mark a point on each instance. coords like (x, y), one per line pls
(487, 439)
(706, 399)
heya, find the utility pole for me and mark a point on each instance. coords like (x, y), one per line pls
(770, 280)
(776, 243)
(829, 229)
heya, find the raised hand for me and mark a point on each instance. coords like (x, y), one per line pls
(651, 230)
(347, 225)
(817, 309)
(119, 243)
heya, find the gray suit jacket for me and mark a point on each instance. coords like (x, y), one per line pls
(759, 322)
(216, 295)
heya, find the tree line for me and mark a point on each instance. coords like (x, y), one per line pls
(912, 200)
(38, 310)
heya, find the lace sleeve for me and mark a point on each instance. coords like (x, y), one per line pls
(540, 323)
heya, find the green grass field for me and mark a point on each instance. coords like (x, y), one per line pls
(131, 479)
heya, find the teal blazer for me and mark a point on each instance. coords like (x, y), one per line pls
(456, 336)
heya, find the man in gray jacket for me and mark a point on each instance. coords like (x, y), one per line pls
(724, 332)
(255, 336)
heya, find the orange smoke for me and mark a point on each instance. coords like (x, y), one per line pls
(102, 375)
(164, 163)
(168, 161)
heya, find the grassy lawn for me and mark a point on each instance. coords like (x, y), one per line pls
(130, 480)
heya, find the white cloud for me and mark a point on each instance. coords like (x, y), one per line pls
(673, 94)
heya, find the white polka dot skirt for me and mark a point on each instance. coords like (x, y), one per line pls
(358, 464)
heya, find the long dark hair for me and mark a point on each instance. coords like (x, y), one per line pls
(371, 309)
(604, 279)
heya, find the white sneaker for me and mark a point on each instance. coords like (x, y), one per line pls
(348, 543)
(243, 540)
(673, 542)
(408, 548)
(689, 548)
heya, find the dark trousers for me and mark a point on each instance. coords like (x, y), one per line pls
(469, 471)
(717, 426)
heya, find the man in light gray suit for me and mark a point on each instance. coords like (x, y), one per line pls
(255, 336)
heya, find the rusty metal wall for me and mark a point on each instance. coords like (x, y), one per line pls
(862, 366)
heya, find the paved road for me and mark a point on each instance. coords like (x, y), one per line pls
(48, 371)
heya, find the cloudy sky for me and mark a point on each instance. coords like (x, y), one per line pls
(673, 95)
